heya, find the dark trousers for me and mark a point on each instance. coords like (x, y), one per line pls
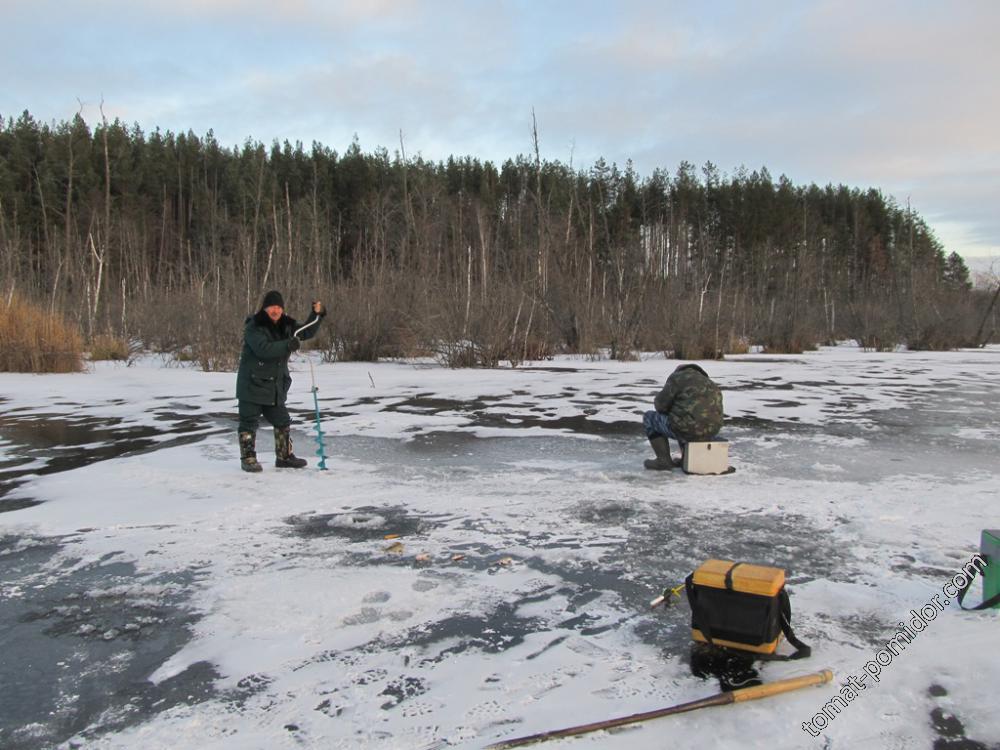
(250, 415)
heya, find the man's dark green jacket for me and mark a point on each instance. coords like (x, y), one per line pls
(263, 376)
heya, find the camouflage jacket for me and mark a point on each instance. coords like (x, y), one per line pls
(263, 375)
(692, 403)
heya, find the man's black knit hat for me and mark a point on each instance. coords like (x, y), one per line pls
(273, 297)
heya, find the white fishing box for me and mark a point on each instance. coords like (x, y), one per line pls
(710, 457)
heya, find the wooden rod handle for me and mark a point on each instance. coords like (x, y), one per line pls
(782, 686)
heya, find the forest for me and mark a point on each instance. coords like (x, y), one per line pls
(166, 241)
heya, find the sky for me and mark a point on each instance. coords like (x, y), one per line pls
(895, 95)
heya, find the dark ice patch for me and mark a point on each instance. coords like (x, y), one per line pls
(46, 443)
(481, 413)
(363, 523)
(548, 369)
(79, 643)
(9, 505)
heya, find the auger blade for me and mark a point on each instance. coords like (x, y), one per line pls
(321, 451)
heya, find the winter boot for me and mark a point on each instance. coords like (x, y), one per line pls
(248, 452)
(284, 458)
(663, 461)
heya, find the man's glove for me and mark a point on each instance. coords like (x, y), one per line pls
(294, 344)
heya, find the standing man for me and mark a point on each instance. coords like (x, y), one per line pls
(688, 409)
(263, 381)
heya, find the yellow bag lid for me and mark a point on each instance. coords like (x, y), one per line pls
(748, 579)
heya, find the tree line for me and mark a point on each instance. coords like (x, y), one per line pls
(170, 239)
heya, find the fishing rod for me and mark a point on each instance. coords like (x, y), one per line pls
(719, 699)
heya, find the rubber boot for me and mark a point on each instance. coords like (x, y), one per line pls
(663, 461)
(248, 452)
(284, 458)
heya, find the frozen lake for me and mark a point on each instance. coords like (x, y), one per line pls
(478, 560)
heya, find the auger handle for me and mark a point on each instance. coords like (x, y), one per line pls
(307, 325)
(782, 686)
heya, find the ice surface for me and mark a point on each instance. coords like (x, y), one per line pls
(464, 572)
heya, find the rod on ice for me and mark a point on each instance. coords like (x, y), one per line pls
(719, 699)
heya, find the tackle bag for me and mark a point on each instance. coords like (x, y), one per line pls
(742, 606)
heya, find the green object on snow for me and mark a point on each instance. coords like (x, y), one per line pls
(989, 548)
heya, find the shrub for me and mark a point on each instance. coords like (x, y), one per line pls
(789, 343)
(218, 354)
(506, 326)
(695, 345)
(789, 327)
(684, 325)
(874, 325)
(458, 354)
(942, 322)
(940, 336)
(737, 345)
(107, 347)
(35, 340)
(194, 326)
(366, 322)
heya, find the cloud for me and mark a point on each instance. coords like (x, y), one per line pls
(894, 94)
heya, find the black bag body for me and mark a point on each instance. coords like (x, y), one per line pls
(741, 606)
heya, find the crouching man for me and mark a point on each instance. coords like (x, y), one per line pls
(263, 381)
(688, 409)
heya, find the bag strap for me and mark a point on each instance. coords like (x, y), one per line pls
(991, 602)
(802, 651)
(729, 576)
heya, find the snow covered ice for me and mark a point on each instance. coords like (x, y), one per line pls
(478, 560)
